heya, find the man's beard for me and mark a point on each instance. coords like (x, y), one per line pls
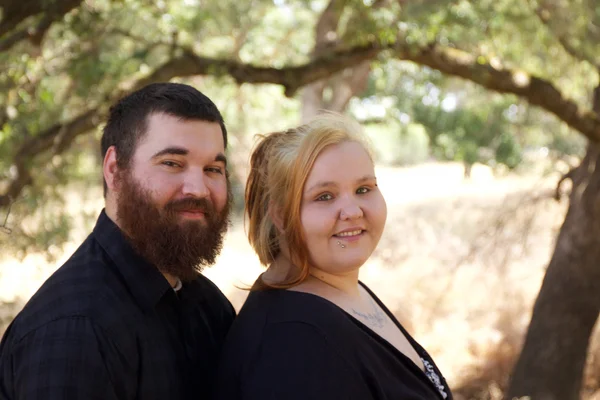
(175, 246)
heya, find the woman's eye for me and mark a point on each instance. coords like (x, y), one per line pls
(324, 197)
(363, 190)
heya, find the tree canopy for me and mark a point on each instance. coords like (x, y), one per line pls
(64, 62)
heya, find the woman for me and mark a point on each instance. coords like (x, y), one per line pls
(309, 328)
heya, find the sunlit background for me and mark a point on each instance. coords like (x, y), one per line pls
(475, 110)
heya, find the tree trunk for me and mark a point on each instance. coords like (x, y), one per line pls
(553, 358)
(467, 172)
(312, 100)
(342, 87)
(335, 92)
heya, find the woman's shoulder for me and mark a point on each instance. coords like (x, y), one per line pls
(273, 322)
(270, 311)
(276, 306)
(285, 340)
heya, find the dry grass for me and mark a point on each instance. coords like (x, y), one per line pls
(460, 263)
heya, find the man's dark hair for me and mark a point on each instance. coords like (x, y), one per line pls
(128, 119)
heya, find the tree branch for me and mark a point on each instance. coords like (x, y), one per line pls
(17, 11)
(569, 175)
(35, 34)
(535, 90)
(291, 78)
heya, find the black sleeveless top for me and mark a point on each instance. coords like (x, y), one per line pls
(294, 345)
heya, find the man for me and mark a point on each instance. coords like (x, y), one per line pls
(128, 316)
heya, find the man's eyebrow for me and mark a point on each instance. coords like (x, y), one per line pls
(221, 158)
(180, 151)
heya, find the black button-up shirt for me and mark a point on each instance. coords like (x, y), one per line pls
(107, 325)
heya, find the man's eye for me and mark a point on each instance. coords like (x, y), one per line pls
(363, 190)
(216, 170)
(171, 164)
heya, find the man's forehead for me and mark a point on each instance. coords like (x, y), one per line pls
(193, 135)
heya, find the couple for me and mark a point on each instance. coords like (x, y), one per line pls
(129, 316)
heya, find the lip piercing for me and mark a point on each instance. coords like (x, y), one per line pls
(340, 244)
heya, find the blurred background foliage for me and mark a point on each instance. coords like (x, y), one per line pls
(511, 84)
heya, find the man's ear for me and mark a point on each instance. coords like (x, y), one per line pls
(276, 217)
(110, 169)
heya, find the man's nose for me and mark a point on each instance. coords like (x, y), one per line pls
(195, 185)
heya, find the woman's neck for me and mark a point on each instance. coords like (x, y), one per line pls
(280, 270)
(283, 269)
(344, 282)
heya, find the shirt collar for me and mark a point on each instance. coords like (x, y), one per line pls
(143, 279)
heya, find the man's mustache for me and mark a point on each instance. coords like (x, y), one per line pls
(191, 204)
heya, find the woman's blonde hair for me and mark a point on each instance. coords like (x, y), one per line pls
(279, 167)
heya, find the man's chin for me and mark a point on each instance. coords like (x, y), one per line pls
(192, 226)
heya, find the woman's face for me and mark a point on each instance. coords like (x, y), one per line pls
(343, 212)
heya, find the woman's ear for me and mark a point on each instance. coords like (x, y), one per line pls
(276, 217)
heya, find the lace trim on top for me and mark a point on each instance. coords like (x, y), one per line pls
(434, 378)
